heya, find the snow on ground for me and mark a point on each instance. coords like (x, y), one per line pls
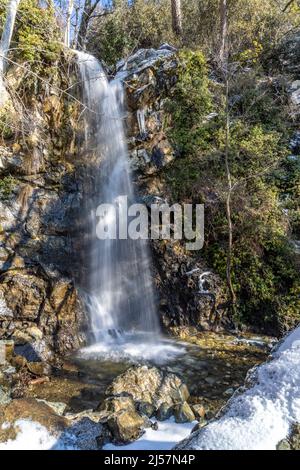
(262, 416)
(33, 436)
(165, 438)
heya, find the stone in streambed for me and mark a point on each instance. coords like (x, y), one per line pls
(18, 361)
(115, 404)
(126, 426)
(164, 412)
(199, 411)
(293, 441)
(84, 434)
(39, 368)
(146, 409)
(150, 385)
(183, 413)
(4, 396)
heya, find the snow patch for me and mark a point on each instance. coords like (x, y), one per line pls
(262, 416)
(33, 436)
(165, 438)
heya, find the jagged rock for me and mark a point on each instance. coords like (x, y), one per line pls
(126, 425)
(145, 408)
(295, 92)
(115, 404)
(288, 54)
(4, 396)
(32, 299)
(84, 434)
(164, 412)
(183, 413)
(150, 385)
(143, 59)
(39, 368)
(58, 408)
(199, 411)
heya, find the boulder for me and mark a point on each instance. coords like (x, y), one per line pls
(151, 385)
(116, 404)
(83, 434)
(80, 433)
(126, 426)
(146, 409)
(183, 413)
(164, 412)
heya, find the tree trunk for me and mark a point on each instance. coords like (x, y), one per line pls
(68, 23)
(87, 13)
(223, 50)
(8, 28)
(224, 59)
(228, 201)
(5, 41)
(177, 17)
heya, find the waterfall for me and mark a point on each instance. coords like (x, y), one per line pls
(119, 293)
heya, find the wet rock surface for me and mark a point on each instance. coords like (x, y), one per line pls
(40, 195)
(150, 385)
(293, 441)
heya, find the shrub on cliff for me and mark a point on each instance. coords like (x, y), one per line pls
(36, 38)
(265, 275)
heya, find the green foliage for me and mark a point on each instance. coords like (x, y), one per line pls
(36, 37)
(265, 276)
(190, 103)
(6, 124)
(129, 27)
(255, 26)
(7, 184)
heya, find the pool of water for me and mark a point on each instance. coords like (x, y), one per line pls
(212, 365)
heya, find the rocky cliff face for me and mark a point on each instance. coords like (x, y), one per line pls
(39, 198)
(150, 76)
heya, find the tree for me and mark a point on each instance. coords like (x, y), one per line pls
(177, 17)
(88, 13)
(5, 41)
(68, 22)
(224, 66)
(223, 30)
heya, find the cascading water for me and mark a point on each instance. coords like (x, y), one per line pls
(120, 296)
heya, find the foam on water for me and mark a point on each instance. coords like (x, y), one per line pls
(135, 348)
